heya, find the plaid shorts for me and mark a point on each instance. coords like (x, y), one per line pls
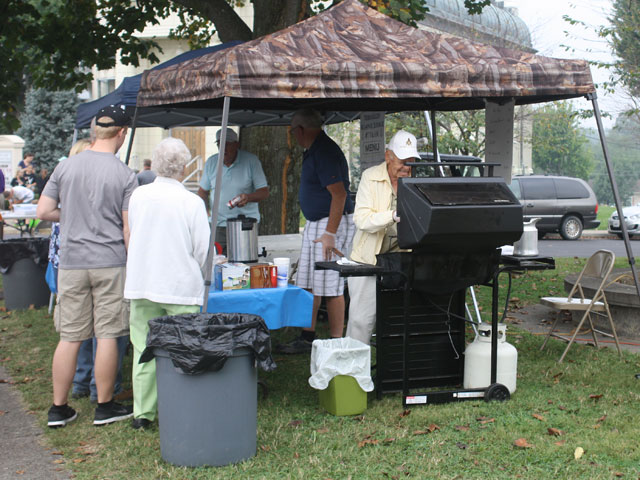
(323, 283)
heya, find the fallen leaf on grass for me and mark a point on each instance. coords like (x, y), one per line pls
(367, 441)
(323, 430)
(430, 429)
(560, 443)
(265, 448)
(19, 472)
(618, 474)
(58, 461)
(602, 418)
(358, 418)
(39, 370)
(556, 432)
(296, 455)
(485, 420)
(405, 413)
(561, 407)
(461, 446)
(389, 440)
(78, 460)
(462, 428)
(578, 453)
(522, 443)
(57, 452)
(538, 417)
(295, 423)
(595, 396)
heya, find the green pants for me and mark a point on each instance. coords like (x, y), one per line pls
(143, 377)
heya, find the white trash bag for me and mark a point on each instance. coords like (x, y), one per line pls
(340, 356)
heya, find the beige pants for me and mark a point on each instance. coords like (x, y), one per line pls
(90, 303)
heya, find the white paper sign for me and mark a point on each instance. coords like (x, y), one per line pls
(372, 143)
(6, 165)
(499, 137)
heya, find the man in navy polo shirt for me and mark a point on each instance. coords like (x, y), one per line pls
(328, 209)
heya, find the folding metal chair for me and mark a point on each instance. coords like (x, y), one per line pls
(597, 268)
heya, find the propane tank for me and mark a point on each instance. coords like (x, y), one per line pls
(477, 360)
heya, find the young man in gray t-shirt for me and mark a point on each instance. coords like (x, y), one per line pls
(89, 195)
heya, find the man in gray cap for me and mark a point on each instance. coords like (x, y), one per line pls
(89, 194)
(243, 185)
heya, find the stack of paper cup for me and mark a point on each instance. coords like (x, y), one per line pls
(283, 270)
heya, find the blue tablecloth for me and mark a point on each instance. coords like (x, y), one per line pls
(280, 307)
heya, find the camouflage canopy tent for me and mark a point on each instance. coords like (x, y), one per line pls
(350, 59)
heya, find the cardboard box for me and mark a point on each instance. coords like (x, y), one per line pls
(232, 276)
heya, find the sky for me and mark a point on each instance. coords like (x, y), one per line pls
(550, 34)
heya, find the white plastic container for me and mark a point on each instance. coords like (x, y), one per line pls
(477, 360)
(283, 264)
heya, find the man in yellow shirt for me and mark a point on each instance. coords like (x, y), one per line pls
(376, 220)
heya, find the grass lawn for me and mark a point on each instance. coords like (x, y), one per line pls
(590, 402)
(604, 212)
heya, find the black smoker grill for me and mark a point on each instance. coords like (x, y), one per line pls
(454, 226)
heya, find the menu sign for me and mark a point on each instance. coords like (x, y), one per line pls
(372, 144)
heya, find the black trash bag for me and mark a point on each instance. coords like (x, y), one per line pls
(14, 249)
(199, 342)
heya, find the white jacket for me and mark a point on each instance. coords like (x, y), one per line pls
(373, 213)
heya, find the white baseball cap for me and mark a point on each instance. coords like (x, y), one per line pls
(404, 145)
(231, 136)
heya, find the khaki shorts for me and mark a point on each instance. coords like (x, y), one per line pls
(90, 303)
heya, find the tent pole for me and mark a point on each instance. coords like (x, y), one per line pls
(133, 134)
(614, 188)
(216, 203)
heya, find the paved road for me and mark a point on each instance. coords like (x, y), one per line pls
(556, 247)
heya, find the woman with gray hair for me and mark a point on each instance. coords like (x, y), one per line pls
(168, 247)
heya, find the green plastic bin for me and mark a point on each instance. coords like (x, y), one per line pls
(343, 396)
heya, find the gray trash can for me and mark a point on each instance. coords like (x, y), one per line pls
(206, 370)
(23, 262)
(209, 418)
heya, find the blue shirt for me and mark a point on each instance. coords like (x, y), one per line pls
(323, 164)
(245, 175)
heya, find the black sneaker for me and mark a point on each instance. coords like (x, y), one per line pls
(59, 416)
(112, 412)
(140, 423)
(294, 347)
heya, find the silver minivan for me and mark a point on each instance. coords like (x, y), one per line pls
(564, 204)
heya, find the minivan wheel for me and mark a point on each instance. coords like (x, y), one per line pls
(571, 228)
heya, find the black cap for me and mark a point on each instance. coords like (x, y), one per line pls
(116, 113)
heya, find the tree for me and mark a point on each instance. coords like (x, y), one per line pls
(47, 125)
(559, 148)
(625, 41)
(624, 155)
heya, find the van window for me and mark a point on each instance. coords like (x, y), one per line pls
(538, 188)
(568, 188)
(515, 188)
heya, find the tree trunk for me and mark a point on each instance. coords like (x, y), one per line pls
(281, 159)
